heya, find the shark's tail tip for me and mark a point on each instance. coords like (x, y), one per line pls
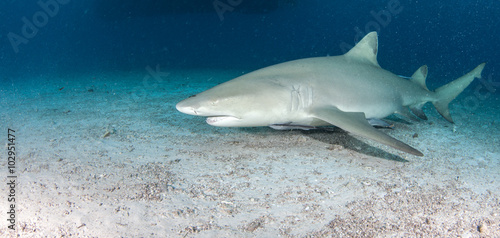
(450, 91)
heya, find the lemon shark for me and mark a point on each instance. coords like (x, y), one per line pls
(349, 91)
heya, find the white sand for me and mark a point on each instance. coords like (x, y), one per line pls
(119, 160)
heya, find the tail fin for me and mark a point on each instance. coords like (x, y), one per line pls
(450, 91)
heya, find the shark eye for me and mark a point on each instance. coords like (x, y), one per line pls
(192, 96)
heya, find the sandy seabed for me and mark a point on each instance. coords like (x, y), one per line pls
(107, 155)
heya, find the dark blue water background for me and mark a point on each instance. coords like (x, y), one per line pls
(452, 37)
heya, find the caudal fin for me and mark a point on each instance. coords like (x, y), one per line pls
(450, 91)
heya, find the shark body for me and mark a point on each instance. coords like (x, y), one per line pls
(350, 91)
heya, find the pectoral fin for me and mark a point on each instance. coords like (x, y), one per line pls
(356, 123)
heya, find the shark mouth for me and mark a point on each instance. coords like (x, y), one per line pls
(222, 120)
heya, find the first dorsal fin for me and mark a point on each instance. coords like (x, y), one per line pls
(366, 49)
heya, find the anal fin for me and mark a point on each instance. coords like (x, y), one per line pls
(417, 110)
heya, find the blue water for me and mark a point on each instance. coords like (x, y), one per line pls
(451, 37)
(102, 150)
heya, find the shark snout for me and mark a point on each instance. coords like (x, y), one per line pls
(213, 117)
(186, 108)
(193, 108)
